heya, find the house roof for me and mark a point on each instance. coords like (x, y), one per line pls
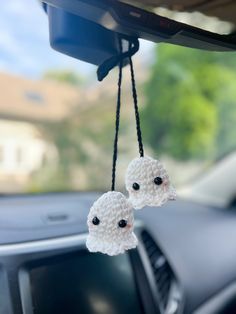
(35, 100)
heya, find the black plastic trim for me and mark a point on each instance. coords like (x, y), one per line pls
(126, 19)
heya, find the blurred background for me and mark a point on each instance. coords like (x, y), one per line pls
(57, 121)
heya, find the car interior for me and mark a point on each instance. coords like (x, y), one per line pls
(185, 260)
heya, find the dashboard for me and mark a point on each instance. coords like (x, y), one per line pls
(185, 261)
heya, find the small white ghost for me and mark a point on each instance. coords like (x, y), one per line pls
(148, 183)
(110, 222)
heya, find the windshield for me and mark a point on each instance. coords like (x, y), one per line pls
(57, 121)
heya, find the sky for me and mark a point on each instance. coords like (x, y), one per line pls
(24, 42)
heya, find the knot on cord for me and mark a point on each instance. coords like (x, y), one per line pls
(122, 57)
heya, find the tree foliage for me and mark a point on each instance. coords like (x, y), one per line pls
(64, 76)
(190, 107)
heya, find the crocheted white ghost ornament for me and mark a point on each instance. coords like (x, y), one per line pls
(148, 183)
(110, 223)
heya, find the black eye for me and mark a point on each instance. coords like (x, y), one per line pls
(136, 186)
(122, 223)
(96, 221)
(158, 181)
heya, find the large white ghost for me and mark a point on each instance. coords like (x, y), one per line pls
(148, 183)
(110, 222)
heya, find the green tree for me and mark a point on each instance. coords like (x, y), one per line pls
(64, 76)
(190, 110)
(83, 143)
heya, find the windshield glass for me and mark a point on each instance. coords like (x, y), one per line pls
(57, 121)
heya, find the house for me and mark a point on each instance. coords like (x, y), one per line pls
(24, 104)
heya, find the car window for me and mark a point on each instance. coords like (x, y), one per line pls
(57, 121)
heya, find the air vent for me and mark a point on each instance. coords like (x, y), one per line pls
(163, 274)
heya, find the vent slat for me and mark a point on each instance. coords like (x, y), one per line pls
(161, 269)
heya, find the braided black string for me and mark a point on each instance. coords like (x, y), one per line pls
(115, 149)
(137, 118)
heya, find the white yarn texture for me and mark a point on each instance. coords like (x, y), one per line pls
(107, 237)
(143, 171)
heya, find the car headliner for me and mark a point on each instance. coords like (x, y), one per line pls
(223, 9)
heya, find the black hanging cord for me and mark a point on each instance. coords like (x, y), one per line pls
(110, 63)
(103, 70)
(115, 149)
(137, 118)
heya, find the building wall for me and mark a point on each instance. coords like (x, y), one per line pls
(22, 150)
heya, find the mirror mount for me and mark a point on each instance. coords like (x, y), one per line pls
(89, 30)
